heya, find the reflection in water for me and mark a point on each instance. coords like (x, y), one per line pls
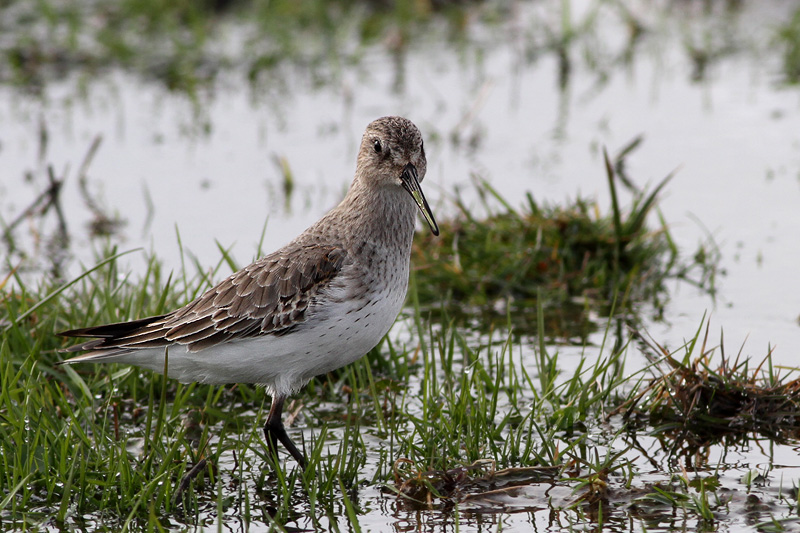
(55, 245)
(38, 239)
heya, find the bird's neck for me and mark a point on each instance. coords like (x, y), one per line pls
(388, 213)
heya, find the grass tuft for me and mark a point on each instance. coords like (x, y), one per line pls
(695, 401)
(569, 258)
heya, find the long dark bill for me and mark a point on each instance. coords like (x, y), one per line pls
(411, 184)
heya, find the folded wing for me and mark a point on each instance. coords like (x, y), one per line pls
(268, 297)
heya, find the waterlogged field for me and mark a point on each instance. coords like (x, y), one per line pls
(435, 429)
(604, 336)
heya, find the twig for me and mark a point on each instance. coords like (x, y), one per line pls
(187, 478)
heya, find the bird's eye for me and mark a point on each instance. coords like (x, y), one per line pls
(377, 146)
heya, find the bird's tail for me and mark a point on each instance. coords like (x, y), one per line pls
(109, 341)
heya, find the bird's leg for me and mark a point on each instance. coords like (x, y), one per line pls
(275, 432)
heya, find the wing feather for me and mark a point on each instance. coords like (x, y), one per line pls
(269, 297)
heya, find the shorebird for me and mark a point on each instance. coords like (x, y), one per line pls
(315, 305)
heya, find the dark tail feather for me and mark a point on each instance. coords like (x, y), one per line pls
(110, 331)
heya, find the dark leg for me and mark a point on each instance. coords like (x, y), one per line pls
(275, 432)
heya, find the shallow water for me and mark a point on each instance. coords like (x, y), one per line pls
(496, 104)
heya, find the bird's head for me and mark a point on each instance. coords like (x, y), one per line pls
(392, 153)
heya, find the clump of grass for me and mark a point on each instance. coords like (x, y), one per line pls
(563, 254)
(698, 402)
(482, 422)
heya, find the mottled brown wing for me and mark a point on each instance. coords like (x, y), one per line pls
(270, 296)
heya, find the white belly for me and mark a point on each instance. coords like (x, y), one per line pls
(334, 336)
